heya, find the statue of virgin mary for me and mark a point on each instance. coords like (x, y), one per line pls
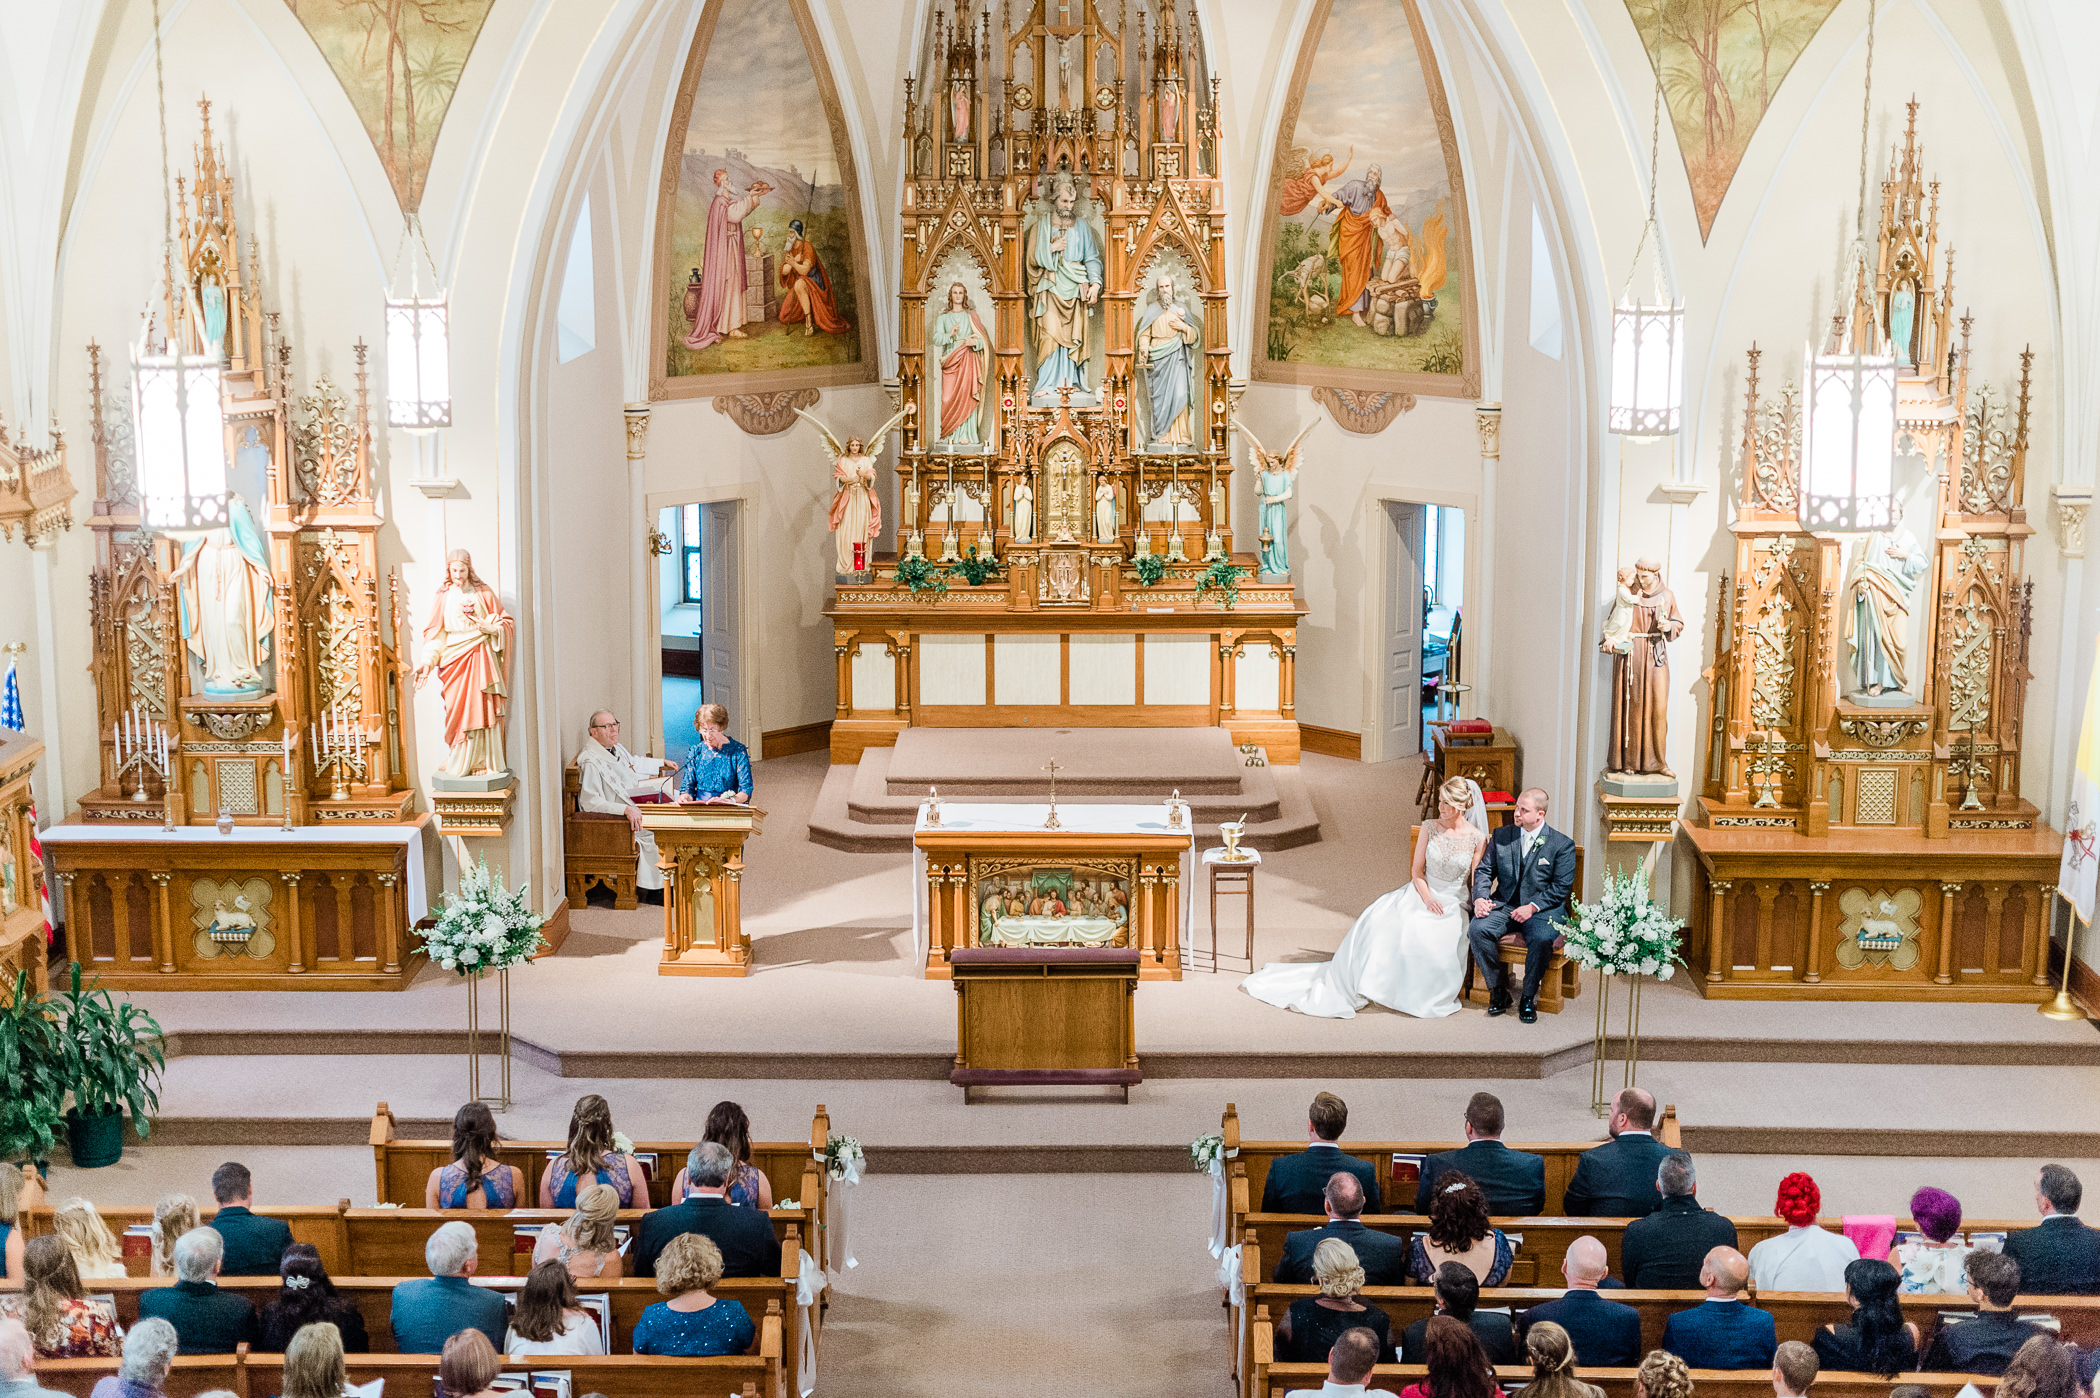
(227, 603)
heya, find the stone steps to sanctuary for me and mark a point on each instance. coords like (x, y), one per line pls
(871, 806)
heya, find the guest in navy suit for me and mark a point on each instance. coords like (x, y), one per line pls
(1521, 884)
(1513, 1180)
(1607, 1334)
(2062, 1256)
(1382, 1255)
(1665, 1250)
(254, 1244)
(1725, 1331)
(1617, 1179)
(1297, 1184)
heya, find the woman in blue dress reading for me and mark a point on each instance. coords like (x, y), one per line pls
(718, 769)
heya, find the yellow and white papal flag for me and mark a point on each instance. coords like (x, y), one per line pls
(2081, 862)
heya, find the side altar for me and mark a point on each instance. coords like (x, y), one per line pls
(1861, 833)
(1063, 551)
(249, 657)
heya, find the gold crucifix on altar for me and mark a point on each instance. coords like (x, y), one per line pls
(1053, 768)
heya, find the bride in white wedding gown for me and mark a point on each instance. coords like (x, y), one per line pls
(1408, 950)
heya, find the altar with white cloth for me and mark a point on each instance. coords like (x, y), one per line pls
(990, 875)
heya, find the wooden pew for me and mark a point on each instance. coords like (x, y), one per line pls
(1796, 1315)
(402, 1168)
(1544, 1240)
(1275, 1380)
(596, 848)
(409, 1375)
(1248, 1170)
(770, 1300)
(389, 1242)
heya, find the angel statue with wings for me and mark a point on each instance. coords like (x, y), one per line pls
(856, 512)
(1275, 482)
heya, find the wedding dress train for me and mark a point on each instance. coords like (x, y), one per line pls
(1399, 953)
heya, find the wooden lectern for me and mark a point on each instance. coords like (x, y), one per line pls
(701, 851)
(1030, 1015)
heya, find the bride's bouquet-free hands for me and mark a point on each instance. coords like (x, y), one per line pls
(1624, 932)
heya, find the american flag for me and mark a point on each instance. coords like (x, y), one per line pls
(11, 719)
(11, 701)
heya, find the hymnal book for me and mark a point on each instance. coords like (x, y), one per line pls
(1407, 1178)
(138, 1241)
(374, 1389)
(599, 1304)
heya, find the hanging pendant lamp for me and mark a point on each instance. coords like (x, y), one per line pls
(1647, 340)
(178, 415)
(418, 347)
(1848, 437)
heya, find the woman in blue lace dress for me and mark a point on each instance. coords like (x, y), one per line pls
(729, 1128)
(693, 1324)
(1459, 1231)
(475, 1179)
(591, 1156)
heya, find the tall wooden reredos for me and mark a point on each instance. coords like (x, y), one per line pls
(1120, 105)
(336, 653)
(1823, 830)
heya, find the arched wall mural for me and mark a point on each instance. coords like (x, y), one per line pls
(1366, 282)
(758, 243)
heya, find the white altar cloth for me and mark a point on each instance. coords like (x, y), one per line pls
(410, 835)
(1084, 820)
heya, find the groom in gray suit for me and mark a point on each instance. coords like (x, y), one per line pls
(1522, 884)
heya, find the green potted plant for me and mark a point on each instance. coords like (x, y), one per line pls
(112, 1062)
(1151, 567)
(920, 575)
(1222, 577)
(974, 568)
(32, 1077)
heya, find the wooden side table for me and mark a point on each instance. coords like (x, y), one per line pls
(1492, 765)
(1229, 878)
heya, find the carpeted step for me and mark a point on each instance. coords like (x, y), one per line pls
(854, 811)
(878, 798)
(1135, 766)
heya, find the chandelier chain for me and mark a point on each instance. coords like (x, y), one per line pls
(1649, 229)
(167, 186)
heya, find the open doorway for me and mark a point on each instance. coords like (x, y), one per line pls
(1423, 644)
(698, 607)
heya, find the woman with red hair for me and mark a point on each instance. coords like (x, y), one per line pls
(1806, 1257)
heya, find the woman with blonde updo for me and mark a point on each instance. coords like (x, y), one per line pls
(1552, 1356)
(1662, 1375)
(1313, 1323)
(585, 1242)
(173, 1216)
(1407, 951)
(96, 1253)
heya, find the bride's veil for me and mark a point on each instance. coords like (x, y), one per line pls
(1476, 809)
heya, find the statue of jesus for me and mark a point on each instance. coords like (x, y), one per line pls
(471, 661)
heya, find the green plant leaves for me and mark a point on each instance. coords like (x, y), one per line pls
(32, 1083)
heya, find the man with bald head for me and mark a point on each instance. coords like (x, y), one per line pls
(1606, 1334)
(1617, 1179)
(612, 777)
(1724, 1331)
(1383, 1255)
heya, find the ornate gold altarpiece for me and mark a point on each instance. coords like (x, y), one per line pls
(22, 946)
(1855, 848)
(336, 656)
(1140, 135)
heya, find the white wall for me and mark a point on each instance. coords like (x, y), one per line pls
(567, 96)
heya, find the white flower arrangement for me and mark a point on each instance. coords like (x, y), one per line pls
(484, 927)
(843, 1158)
(1624, 933)
(1204, 1150)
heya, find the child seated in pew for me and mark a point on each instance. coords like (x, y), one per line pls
(468, 1367)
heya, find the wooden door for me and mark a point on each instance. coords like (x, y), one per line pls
(721, 557)
(1400, 708)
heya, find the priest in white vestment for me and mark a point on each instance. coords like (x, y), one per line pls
(611, 778)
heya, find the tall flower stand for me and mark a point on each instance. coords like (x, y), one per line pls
(1600, 1100)
(501, 1101)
